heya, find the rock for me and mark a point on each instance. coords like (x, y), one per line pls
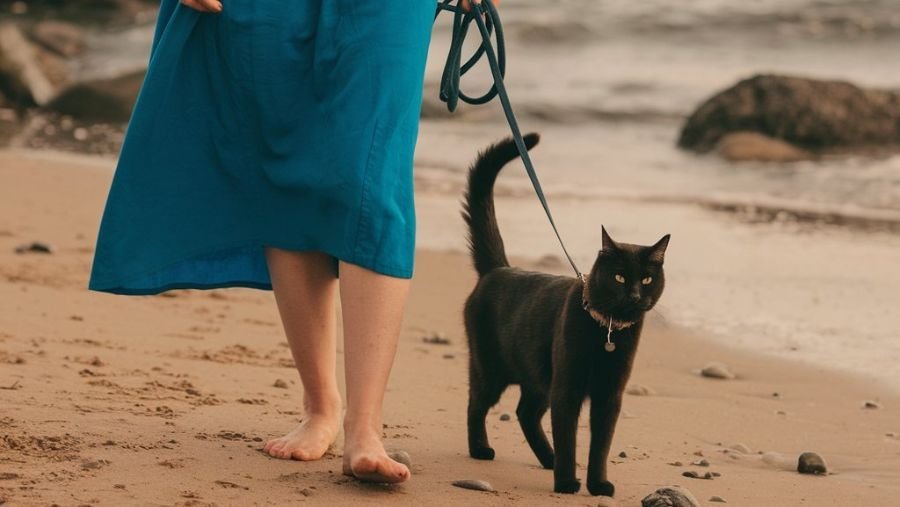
(639, 390)
(701, 463)
(696, 475)
(436, 339)
(718, 499)
(670, 497)
(717, 370)
(101, 99)
(401, 457)
(872, 405)
(623, 454)
(34, 247)
(741, 448)
(810, 114)
(21, 76)
(753, 146)
(474, 485)
(280, 384)
(505, 417)
(64, 39)
(676, 464)
(811, 463)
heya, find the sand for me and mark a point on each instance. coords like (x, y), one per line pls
(168, 399)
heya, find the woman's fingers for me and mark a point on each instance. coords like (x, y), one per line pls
(204, 5)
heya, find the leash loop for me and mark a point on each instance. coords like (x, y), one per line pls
(487, 19)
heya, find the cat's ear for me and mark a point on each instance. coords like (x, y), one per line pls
(658, 251)
(608, 243)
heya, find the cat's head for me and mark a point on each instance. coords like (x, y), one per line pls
(626, 280)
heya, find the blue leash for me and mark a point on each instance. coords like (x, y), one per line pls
(487, 19)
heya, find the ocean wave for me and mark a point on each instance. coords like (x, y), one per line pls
(584, 20)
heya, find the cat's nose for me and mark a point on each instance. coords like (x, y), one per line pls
(635, 295)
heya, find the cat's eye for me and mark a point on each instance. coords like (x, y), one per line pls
(620, 278)
(647, 281)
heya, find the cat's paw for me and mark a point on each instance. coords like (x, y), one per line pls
(547, 462)
(568, 486)
(485, 453)
(604, 488)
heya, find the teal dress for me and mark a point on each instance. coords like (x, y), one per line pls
(278, 123)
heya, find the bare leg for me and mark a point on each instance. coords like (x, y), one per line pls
(304, 286)
(373, 311)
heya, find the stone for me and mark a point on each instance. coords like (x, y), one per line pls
(623, 454)
(639, 390)
(717, 370)
(674, 496)
(436, 339)
(401, 457)
(23, 79)
(717, 499)
(60, 37)
(872, 405)
(811, 463)
(809, 114)
(101, 99)
(476, 485)
(505, 417)
(741, 448)
(701, 463)
(34, 247)
(756, 147)
(280, 384)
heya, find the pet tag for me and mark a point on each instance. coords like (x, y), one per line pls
(609, 346)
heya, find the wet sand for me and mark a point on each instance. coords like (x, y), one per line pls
(168, 399)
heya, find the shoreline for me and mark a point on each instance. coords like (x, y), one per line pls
(169, 399)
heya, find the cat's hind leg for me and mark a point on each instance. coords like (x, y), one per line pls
(531, 409)
(484, 393)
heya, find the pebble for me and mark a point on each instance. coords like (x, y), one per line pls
(475, 485)
(449, 356)
(718, 499)
(696, 475)
(436, 339)
(639, 390)
(811, 463)
(676, 464)
(34, 247)
(280, 384)
(701, 463)
(741, 448)
(623, 454)
(401, 457)
(717, 370)
(505, 417)
(80, 134)
(871, 404)
(670, 497)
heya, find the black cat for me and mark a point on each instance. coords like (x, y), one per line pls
(559, 338)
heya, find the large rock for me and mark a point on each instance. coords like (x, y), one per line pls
(64, 39)
(670, 497)
(21, 76)
(811, 114)
(100, 100)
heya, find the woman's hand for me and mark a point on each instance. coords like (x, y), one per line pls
(204, 5)
(466, 4)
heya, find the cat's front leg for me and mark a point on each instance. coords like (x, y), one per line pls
(565, 405)
(604, 414)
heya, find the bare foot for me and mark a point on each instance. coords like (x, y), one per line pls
(366, 459)
(307, 442)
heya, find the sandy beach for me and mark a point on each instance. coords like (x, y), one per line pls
(167, 400)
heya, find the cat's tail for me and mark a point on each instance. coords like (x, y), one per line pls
(485, 241)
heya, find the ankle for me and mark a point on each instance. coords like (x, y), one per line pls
(356, 429)
(325, 405)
